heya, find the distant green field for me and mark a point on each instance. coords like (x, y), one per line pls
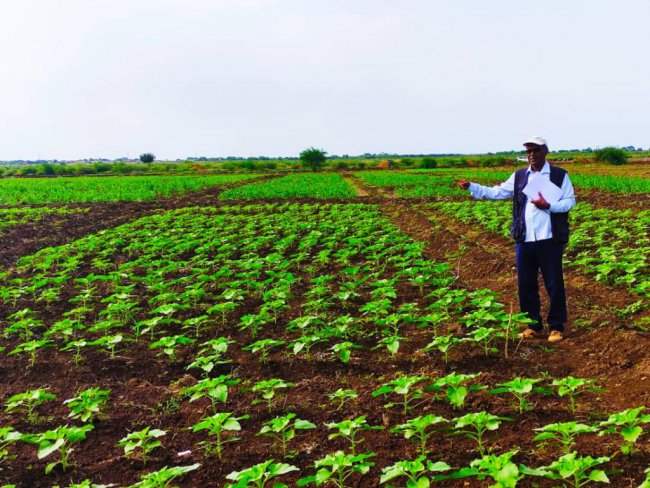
(15, 191)
(612, 183)
(304, 185)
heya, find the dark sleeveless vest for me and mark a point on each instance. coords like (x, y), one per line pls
(559, 221)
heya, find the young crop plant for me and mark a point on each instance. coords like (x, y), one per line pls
(283, 429)
(164, 476)
(475, 425)
(215, 426)
(169, 344)
(419, 429)
(32, 348)
(7, 436)
(88, 404)
(304, 343)
(84, 484)
(142, 442)
(76, 346)
(563, 433)
(23, 323)
(216, 389)
(259, 475)
(577, 471)
(628, 424)
(60, 439)
(29, 401)
(263, 347)
(452, 386)
(337, 468)
(342, 396)
(109, 343)
(573, 387)
(211, 355)
(268, 390)
(344, 350)
(443, 344)
(404, 386)
(521, 388)
(349, 429)
(500, 469)
(415, 472)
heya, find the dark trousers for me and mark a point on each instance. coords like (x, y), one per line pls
(546, 256)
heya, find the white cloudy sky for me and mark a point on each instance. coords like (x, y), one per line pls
(100, 78)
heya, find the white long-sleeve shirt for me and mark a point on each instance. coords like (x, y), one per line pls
(538, 221)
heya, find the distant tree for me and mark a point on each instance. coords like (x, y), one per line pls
(611, 155)
(147, 157)
(313, 158)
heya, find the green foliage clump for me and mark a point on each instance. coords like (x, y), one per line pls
(611, 155)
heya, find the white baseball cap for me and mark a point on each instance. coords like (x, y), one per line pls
(540, 141)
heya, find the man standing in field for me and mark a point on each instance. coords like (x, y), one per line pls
(540, 230)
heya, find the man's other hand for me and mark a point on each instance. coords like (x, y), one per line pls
(463, 184)
(540, 202)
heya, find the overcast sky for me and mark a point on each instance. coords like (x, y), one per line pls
(100, 78)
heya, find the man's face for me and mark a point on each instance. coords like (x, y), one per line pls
(536, 154)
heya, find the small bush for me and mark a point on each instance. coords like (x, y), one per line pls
(611, 155)
(428, 163)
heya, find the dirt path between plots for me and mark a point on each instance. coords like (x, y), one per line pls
(601, 348)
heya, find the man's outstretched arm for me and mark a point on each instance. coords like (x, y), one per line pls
(502, 191)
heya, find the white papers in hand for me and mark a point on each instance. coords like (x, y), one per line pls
(538, 184)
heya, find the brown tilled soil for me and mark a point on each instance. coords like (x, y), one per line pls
(144, 386)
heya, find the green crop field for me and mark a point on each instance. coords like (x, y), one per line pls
(263, 336)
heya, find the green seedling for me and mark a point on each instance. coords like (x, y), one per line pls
(216, 389)
(337, 468)
(521, 388)
(349, 429)
(60, 439)
(404, 386)
(501, 469)
(419, 429)
(268, 389)
(87, 404)
(109, 343)
(169, 344)
(142, 442)
(32, 348)
(563, 433)
(344, 350)
(452, 385)
(216, 425)
(391, 343)
(77, 346)
(572, 387)
(304, 343)
(263, 347)
(7, 436)
(475, 425)
(443, 344)
(163, 477)
(342, 396)
(628, 424)
(23, 324)
(28, 402)
(283, 429)
(259, 475)
(414, 471)
(576, 471)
